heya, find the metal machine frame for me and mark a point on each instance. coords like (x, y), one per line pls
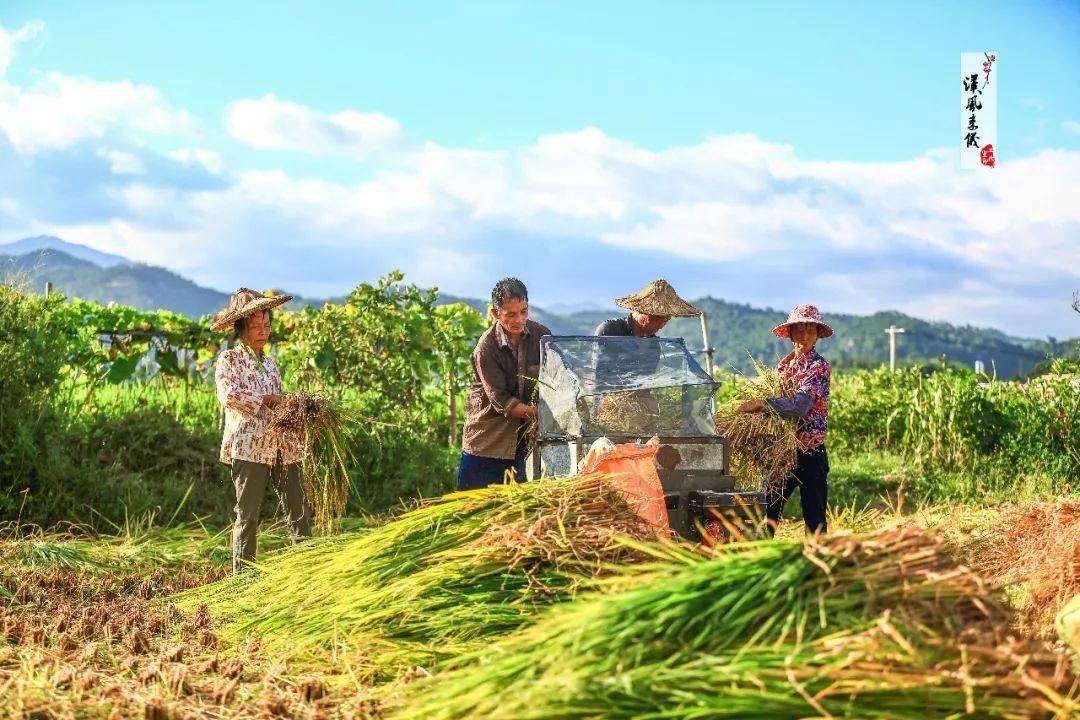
(689, 494)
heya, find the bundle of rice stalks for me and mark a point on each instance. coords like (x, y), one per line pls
(436, 582)
(887, 670)
(319, 423)
(1037, 549)
(768, 629)
(763, 444)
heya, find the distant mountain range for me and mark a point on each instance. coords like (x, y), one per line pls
(49, 242)
(736, 331)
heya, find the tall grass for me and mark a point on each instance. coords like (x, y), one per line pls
(967, 437)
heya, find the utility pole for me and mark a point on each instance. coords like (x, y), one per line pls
(48, 288)
(708, 347)
(892, 331)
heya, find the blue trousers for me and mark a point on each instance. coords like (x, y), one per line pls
(476, 471)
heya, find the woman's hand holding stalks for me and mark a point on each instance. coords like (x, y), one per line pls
(750, 406)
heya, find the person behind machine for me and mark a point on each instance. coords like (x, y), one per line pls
(650, 310)
(636, 411)
(809, 372)
(499, 411)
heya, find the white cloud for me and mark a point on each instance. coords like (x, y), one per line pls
(206, 159)
(9, 41)
(1071, 126)
(582, 214)
(272, 124)
(122, 163)
(58, 111)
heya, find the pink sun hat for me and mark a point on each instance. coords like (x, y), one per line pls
(803, 314)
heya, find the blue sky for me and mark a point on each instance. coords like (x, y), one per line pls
(764, 152)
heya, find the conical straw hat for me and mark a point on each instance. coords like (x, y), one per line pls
(245, 303)
(658, 298)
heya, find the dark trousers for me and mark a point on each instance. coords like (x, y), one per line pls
(476, 471)
(811, 477)
(251, 480)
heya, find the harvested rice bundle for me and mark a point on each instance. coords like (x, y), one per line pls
(1037, 548)
(320, 423)
(752, 602)
(438, 581)
(763, 444)
(886, 670)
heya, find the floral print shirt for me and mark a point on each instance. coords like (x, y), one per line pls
(810, 376)
(241, 382)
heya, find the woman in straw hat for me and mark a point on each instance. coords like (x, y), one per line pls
(809, 374)
(248, 387)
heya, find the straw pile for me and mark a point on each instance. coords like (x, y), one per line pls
(629, 413)
(434, 583)
(1037, 548)
(763, 444)
(885, 625)
(319, 423)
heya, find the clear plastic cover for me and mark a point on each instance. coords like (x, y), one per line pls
(593, 386)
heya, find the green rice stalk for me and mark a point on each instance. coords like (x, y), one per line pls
(886, 670)
(763, 444)
(436, 582)
(748, 599)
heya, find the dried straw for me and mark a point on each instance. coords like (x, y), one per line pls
(629, 413)
(1037, 547)
(319, 424)
(763, 444)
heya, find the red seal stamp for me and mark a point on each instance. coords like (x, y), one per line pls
(986, 155)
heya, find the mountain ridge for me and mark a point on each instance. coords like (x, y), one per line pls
(737, 331)
(38, 243)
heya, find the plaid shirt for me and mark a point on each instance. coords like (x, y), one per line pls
(241, 383)
(810, 375)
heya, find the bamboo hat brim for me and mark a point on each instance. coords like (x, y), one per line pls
(658, 298)
(245, 303)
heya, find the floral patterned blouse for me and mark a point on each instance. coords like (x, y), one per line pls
(241, 382)
(810, 374)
